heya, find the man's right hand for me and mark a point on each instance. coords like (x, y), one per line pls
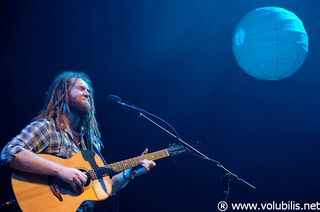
(74, 177)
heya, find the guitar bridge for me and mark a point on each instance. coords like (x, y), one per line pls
(55, 189)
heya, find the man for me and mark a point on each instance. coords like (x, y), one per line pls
(66, 125)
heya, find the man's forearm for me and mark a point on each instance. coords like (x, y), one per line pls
(119, 181)
(28, 161)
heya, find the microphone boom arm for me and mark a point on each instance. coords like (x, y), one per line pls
(198, 153)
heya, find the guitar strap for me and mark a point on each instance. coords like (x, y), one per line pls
(93, 148)
(99, 153)
(83, 145)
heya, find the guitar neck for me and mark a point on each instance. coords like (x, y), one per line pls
(111, 169)
(129, 163)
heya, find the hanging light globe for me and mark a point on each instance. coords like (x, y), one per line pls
(270, 43)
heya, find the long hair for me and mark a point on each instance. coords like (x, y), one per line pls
(57, 102)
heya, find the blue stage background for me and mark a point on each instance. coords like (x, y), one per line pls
(173, 58)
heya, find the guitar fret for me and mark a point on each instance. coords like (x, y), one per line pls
(136, 160)
(124, 164)
(121, 165)
(110, 166)
(117, 166)
(92, 175)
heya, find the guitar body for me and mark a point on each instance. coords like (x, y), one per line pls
(34, 192)
(45, 193)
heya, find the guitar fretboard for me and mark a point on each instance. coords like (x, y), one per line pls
(129, 163)
(109, 169)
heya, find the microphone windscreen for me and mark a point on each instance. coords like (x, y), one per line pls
(112, 99)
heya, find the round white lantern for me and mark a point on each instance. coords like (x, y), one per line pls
(270, 43)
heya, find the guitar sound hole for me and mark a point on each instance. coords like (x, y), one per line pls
(88, 177)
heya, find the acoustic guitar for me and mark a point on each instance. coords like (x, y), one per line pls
(44, 193)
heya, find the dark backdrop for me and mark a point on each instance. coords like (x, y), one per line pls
(174, 58)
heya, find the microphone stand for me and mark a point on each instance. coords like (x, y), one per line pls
(227, 176)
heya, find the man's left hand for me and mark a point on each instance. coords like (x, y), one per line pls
(143, 168)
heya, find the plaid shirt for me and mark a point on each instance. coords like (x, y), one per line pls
(41, 136)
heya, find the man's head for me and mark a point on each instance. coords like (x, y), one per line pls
(79, 97)
(72, 91)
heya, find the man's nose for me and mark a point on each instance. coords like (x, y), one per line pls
(86, 94)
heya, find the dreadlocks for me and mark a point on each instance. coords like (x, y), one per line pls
(57, 102)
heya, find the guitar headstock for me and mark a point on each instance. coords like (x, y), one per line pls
(176, 149)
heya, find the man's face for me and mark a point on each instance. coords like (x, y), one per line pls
(79, 97)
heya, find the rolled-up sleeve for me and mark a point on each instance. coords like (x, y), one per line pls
(34, 137)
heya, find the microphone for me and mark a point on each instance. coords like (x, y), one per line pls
(116, 101)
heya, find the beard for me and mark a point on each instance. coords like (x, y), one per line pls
(79, 107)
